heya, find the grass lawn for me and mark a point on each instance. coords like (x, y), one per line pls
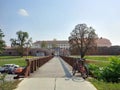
(100, 85)
(97, 57)
(13, 60)
(100, 58)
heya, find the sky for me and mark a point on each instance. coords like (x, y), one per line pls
(55, 19)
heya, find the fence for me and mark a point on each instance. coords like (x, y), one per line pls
(72, 60)
(32, 65)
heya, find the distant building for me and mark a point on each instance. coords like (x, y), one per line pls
(63, 44)
(51, 44)
(58, 47)
(9, 51)
(103, 42)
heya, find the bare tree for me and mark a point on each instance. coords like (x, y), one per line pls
(83, 38)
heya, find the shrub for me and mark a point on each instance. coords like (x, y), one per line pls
(111, 72)
(95, 71)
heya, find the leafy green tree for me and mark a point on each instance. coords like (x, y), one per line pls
(2, 42)
(23, 41)
(83, 38)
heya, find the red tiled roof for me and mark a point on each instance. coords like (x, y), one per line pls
(103, 42)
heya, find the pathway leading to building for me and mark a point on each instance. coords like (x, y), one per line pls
(54, 75)
(53, 69)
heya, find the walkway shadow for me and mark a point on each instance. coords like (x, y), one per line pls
(68, 75)
(67, 72)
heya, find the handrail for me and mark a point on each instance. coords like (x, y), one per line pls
(32, 65)
(71, 60)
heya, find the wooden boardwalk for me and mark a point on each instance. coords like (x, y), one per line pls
(54, 68)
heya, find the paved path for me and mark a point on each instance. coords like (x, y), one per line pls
(54, 75)
(54, 68)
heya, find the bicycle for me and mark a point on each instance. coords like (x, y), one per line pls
(81, 67)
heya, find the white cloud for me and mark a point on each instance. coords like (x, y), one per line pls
(23, 12)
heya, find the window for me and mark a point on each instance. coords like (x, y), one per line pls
(10, 53)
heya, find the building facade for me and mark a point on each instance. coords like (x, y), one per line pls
(27, 52)
(61, 47)
(56, 47)
(63, 44)
(51, 44)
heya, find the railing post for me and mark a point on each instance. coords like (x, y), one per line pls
(35, 64)
(27, 73)
(31, 67)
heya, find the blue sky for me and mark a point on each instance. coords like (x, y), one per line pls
(49, 19)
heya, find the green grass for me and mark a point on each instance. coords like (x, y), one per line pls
(10, 85)
(100, 85)
(100, 58)
(96, 57)
(100, 64)
(13, 60)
